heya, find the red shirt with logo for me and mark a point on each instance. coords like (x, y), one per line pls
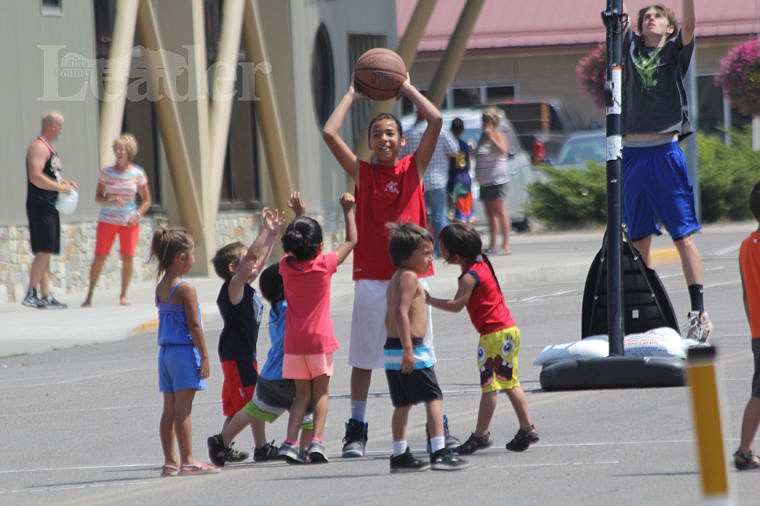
(487, 308)
(384, 194)
(749, 261)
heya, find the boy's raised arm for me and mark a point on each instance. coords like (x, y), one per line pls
(689, 22)
(257, 254)
(434, 123)
(331, 134)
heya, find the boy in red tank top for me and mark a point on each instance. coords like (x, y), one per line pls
(388, 190)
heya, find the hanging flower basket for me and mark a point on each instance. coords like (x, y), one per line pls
(591, 73)
(740, 77)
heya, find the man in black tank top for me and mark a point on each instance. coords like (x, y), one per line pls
(44, 183)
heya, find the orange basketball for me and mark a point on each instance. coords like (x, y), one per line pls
(379, 73)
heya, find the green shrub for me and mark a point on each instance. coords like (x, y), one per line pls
(726, 175)
(570, 198)
(578, 198)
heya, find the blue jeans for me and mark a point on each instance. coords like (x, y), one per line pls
(437, 210)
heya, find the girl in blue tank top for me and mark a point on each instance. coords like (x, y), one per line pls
(183, 363)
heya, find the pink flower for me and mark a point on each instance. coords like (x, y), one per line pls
(591, 74)
(740, 77)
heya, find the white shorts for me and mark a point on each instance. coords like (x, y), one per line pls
(368, 334)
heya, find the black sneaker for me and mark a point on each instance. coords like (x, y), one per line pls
(50, 302)
(407, 463)
(523, 439)
(452, 442)
(475, 443)
(31, 299)
(446, 459)
(235, 455)
(355, 440)
(217, 452)
(267, 452)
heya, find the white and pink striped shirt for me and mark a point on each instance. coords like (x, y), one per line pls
(121, 184)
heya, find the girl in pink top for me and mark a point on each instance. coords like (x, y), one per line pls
(309, 335)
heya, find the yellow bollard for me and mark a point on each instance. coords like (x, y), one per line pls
(707, 423)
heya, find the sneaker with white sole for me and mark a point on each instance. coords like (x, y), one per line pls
(267, 452)
(293, 453)
(317, 453)
(355, 440)
(699, 326)
(446, 459)
(31, 299)
(50, 302)
(235, 455)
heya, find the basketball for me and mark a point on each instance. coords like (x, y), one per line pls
(379, 73)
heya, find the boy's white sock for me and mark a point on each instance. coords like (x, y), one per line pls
(399, 447)
(358, 409)
(437, 443)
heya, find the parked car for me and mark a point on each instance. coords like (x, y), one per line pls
(542, 126)
(521, 170)
(582, 147)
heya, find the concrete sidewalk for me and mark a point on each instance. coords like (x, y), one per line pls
(537, 256)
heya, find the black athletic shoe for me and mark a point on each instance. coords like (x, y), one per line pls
(355, 440)
(50, 302)
(407, 463)
(267, 452)
(235, 455)
(523, 439)
(217, 452)
(446, 459)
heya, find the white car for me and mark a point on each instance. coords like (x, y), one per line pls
(521, 170)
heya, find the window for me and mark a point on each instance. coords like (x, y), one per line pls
(322, 75)
(715, 114)
(51, 8)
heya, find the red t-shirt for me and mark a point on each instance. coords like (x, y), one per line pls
(749, 261)
(488, 311)
(308, 326)
(384, 194)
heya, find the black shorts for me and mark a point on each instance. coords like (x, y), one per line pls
(421, 385)
(756, 376)
(44, 228)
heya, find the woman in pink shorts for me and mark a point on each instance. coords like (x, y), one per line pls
(118, 187)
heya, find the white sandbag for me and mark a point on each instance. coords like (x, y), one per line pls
(659, 342)
(592, 346)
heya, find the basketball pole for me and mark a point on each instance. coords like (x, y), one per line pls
(613, 20)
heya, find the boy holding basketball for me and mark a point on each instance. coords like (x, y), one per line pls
(388, 190)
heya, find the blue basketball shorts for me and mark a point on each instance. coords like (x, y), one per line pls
(656, 186)
(179, 368)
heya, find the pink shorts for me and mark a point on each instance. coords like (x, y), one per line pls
(306, 367)
(106, 233)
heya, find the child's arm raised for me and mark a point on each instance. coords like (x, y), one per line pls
(297, 204)
(189, 299)
(347, 203)
(434, 123)
(331, 134)
(257, 254)
(461, 298)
